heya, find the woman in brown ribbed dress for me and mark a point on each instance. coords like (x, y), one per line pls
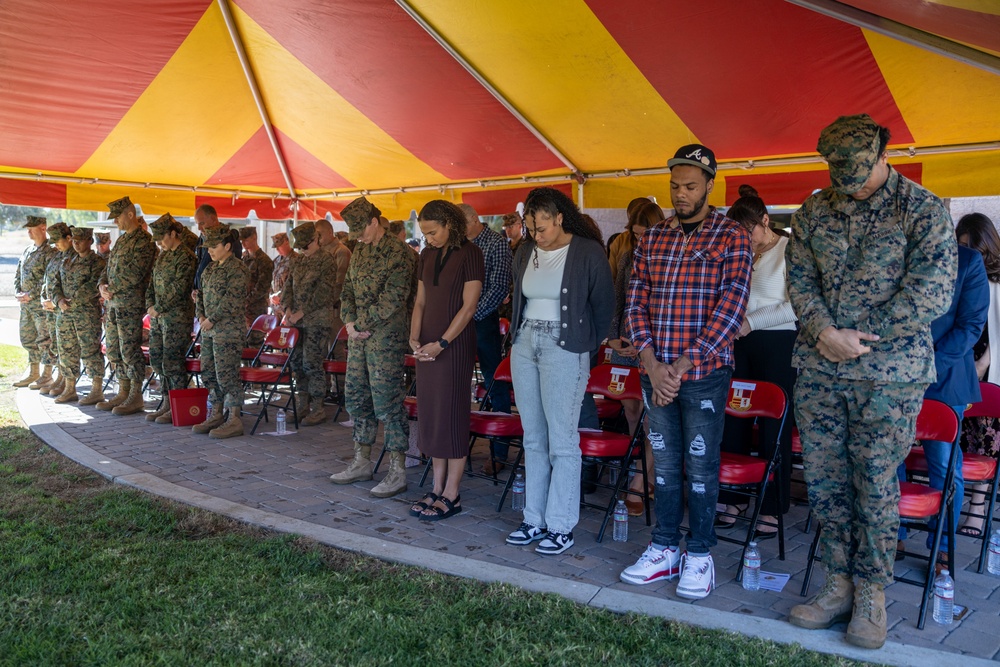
(443, 340)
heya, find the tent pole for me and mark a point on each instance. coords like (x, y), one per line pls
(904, 33)
(241, 53)
(446, 45)
(579, 194)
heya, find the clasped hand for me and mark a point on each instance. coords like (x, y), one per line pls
(354, 334)
(838, 345)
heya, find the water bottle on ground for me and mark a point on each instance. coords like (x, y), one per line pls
(517, 493)
(944, 599)
(751, 568)
(279, 423)
(621, 522)
(993, 554)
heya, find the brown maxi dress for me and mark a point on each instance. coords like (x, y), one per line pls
(443, 385)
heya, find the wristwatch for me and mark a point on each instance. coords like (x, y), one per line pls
(444, 344)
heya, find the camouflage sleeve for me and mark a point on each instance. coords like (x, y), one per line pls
(151, 288)
(177, 290)
(139, 264)
(17, 275)
(927, 287)
(804, 288)
(51, 273)
(394, 295)
(199, 302)
(261, 277)
(229, 300)
(288, 289)
(348, 307)
(342, 260)
(57, 293)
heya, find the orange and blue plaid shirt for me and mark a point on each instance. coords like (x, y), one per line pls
(688, 293)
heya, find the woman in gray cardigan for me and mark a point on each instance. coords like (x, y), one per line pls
(562, 305)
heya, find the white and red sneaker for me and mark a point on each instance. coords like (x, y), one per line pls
(697, 577)
(654, 564)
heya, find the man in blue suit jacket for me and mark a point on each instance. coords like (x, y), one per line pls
(957, 384)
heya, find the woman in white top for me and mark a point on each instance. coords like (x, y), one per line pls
(763, 351)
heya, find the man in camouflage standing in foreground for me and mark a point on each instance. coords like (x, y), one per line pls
(170, 309)
(61, 240)
(79, 317)
(375, 304)
(307, 301)
(260, 267)
(123, 288)
(28, 290)
(871, 264)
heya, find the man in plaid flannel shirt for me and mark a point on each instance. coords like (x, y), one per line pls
(687, 296)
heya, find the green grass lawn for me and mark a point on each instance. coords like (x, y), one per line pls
(93, 573)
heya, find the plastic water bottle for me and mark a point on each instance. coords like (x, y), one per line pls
(751, 568)
(279, 423)
(621, 522)
(993, 558)
(517, 493)
(944, 599)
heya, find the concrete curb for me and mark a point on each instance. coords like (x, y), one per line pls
(823, 641)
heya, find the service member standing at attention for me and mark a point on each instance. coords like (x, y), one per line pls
(220, 310)
(282, 264)
(375, 304)
(79, 306)
(307, 301)
(260, 268)
(871, 263)
(28, 282)
(170, 309)
(60, 238)
(123, 288)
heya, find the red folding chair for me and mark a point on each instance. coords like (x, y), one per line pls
(750, 476)
(919, 503)
(277, 347)
(192, 358)
(262, 324)
(337, 369)
(617, 451)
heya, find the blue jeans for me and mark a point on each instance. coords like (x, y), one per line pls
(685, 437)
(549, 383)
(937, 454)
(489, 352)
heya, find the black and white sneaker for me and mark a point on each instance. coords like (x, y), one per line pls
(554, 543)
(526, 534)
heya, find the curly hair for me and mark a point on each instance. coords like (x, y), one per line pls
(983, 237)
(449, 215)
(552, 201)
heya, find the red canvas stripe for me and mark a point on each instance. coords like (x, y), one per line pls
(499, 202)
(70, 71)
(962, 25)
(255, 164)
(795, 187)
(385, 65)
(32, 193)
(752, 78)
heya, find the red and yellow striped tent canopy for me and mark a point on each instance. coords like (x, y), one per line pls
(304, 104)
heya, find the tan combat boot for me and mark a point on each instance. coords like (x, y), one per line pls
(831, 605)
(317, 415)
(56, 386)
(68, 394)
(166, 417)
(124, 388)
(231, 428)
(132, 404)
(96, 393)
(163, 409)
(360, 469)
(214, 419)
(868, 622)
(395, 480)
(29, 376)
(43, 380)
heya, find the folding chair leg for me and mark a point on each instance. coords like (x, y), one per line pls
(988, 522)
(378, 462)
(427, 470)
(811, 559)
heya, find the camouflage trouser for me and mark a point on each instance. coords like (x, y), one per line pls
(307, 362)
(220, 369)
(34, 334)
(124, 341)
(169, 338)
(52, 327)
(855, 434)
(375, 390)
(82, 340)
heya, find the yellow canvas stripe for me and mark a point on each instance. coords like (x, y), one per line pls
(192, 118)
(942, 101)
(558, 65)
(962, 174)
(153, 202)
(305, 108)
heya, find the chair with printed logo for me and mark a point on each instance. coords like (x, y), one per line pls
(261, 325)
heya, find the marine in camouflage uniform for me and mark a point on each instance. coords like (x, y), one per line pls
(170, 309)
(279, 274)
(307, 301)
(123, 287)
(28, 281)
(377, 297)
(79, 317)
(59, 237)
(102, 238)
(220, 308)
(871, 263)
(259, 268)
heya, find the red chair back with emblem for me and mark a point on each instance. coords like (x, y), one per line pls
(615, 382)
